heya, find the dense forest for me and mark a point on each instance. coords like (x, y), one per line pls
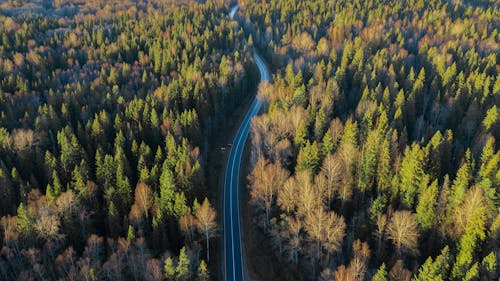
(107, 111)
(377, 155)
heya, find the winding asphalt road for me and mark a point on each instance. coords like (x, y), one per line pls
(233, 257)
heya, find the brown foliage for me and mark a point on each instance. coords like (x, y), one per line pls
(474, 200)
(399, 272)
(303, 43)
(48, 225)
(143, 203)
(206, 222)
(187, 224)
(265, 179)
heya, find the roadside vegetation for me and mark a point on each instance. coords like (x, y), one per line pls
(377, 156)
(107, 109)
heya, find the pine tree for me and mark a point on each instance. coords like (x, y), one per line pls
(203, 274)
(180, 206)
(489, 267)
(426, 207)
(167, 190)
(105, 171)
(169, 269)
(384, 167)
(410, 175)
(123, 188)
(435, 270)
(350, 135)
(182, 272)
(460, 184)
(472, 273)
(489, 174)
(130, 233)
(327, 145)
(25, 220)
(300, 138)
(369, 162)
(320, 123)
(309, 158)
(491, 117)
(381, 274)
(56, 185)
(49, 194)
(79, 179)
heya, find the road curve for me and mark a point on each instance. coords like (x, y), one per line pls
(233, 257)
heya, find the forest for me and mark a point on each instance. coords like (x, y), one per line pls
(107, 112)
(376, 155)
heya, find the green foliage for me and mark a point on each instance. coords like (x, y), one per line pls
(460, 184)
(489, 266)
(56, 185)
(427, 202)
(411, 174)
(350, 135)
(369, 162)
(169, 269)
(79, 178)
(182, 272)
(436, 270)
(489, 175)
(491, 117)
(167, 190)
(384, 167)
(130, 233)
(405, 113)
(327, 145)
(378, 207)
(300, 138)
(475, 233)
(202, 274)
(309, 158)
(472, 273)
(180, 206)
(25, 220)
(381, 274)
(96, 102)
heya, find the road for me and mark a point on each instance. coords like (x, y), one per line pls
(233, 257)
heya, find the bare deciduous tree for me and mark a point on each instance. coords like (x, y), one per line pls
(403, 231)
(265, 180)
(326, 230)
(379, 233)
(399, 272)
(332, 172)
(293, 249)
(66, 203)
(206, 223)
(308, 197)
(153, 270)
(48, 225)
(143, 198)
(187, 224)
(287, 195)
(359, 263)
(467, 210)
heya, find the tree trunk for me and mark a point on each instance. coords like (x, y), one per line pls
(208, 247)
(267, 218)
